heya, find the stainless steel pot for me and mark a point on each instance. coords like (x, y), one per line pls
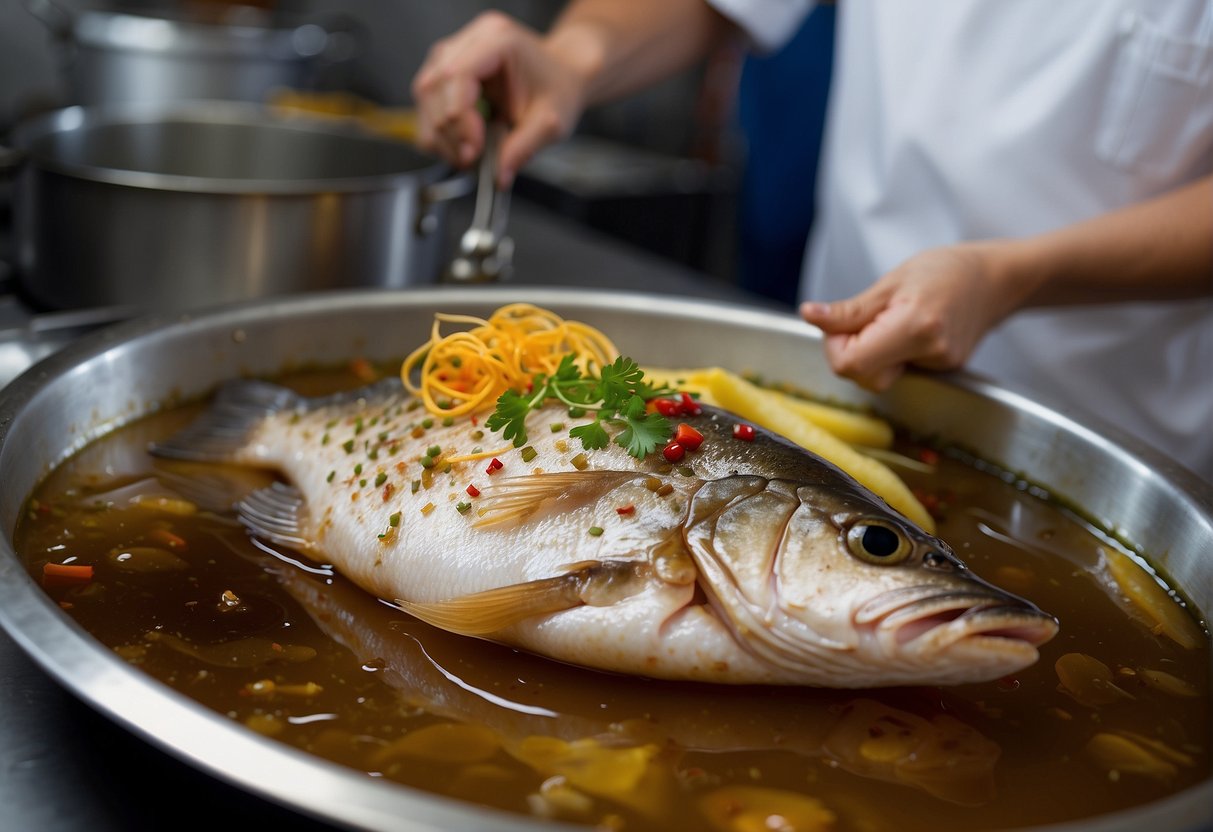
(113, 56)
(169, 208)
(123, 373)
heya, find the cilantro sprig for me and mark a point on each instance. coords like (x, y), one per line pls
(616, 396)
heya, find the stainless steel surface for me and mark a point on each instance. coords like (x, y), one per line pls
(126, 371)
(171, 208)
(114, 56)
(485, 253)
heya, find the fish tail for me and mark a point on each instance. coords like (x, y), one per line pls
(225, 428)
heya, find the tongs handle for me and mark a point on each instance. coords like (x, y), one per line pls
(485, 252)
(492, 203)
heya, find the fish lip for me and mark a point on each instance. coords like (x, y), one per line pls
(991, 619)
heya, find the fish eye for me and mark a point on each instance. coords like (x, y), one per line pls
(876, 541)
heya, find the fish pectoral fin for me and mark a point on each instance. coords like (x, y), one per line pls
(483, 613)
(597, 583)
(277, 513)
(517, 498)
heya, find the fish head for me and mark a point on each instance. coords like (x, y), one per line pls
(836, 581)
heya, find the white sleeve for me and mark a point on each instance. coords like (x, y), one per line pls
(768, 23)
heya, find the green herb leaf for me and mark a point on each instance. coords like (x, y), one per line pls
(592, 435)
(644, 433)
(615, 396)
(510, 417)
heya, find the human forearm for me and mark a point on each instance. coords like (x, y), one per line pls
(620, 46)
(1161, 249)
(933, 309)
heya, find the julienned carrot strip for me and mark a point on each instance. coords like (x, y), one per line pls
(67, 573)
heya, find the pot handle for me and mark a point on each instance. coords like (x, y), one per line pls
(436, 193)
(58, 19)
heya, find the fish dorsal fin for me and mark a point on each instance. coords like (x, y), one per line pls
(240, 406)
(598, 583)
(278, 513)
(517, 498)
(220, 432)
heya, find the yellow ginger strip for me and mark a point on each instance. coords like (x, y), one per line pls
(479, 455)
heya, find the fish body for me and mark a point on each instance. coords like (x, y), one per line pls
(744, 562)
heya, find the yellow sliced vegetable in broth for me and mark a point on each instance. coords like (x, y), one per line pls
(447, 742)
(1151, 601)
(629, 775)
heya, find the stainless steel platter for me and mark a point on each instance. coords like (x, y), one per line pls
(133, 369)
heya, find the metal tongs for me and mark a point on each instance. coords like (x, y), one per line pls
(485, 253)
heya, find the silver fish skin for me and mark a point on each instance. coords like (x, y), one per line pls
(745, 563)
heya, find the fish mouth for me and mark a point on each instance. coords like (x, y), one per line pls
(978, 620)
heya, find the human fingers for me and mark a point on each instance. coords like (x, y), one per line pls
(450, 82)
(875, 378)
(876, 355)
(445, 104)
(540, 125)
(849, 315)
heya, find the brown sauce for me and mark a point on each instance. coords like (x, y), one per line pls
(288, 649)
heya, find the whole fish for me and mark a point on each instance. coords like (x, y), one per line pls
(747, 562)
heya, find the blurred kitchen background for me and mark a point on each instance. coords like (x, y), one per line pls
(712, 170)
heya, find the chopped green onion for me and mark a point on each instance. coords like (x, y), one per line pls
(529, 453)
(595, 531)
(380, 479)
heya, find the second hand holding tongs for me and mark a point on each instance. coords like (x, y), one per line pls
(485, 253)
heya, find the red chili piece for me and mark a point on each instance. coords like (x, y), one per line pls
(473, 491)
(743, 432)
(673, 452)
(688, 437)
(494, 466)
(624, 511)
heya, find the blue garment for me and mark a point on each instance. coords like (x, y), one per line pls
(781, 109)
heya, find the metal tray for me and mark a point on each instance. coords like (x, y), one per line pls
(127, 371)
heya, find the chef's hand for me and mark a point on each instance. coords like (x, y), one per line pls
(526, 79)
(931, 311)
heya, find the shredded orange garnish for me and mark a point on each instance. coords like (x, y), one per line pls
(466, 371)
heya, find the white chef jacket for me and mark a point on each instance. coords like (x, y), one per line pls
(955, 120)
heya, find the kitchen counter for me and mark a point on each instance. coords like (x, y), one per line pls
(64, 767)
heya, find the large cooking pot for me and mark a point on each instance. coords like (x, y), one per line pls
(125, 372)
(115, 56)
(174, 207)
